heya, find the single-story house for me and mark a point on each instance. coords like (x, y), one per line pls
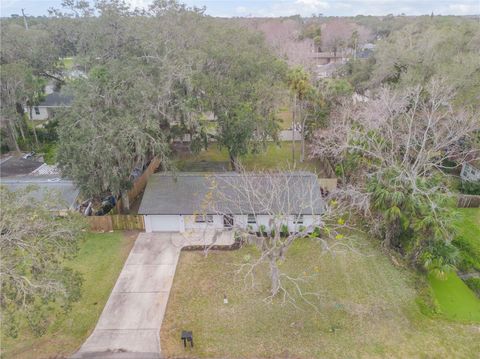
(62, 194)
(16, 166)
(179, 202)
(328, 70)
(43, 110)
(470, 171)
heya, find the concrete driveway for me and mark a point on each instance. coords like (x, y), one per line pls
(129, 326)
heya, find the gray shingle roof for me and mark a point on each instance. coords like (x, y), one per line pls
(56, 99)
(15, 166)
(62, 193)
(190, 193)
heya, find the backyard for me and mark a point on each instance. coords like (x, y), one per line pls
(275, 156)
(100, 260)
(367, 308)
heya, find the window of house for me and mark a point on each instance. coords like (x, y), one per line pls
(251, 219)
(300, 219)
(37, 110)
(207, 218)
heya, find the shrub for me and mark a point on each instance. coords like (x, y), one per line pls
(470, 187)
(469, 258)
(262, 229)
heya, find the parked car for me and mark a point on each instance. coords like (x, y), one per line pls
(107, 204)
(28, 155)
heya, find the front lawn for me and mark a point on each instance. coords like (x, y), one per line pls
(100, 260)
(275, 157)
(367, 309)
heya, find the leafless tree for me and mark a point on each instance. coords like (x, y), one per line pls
(271, 210)
(396, 145)
(415, 130)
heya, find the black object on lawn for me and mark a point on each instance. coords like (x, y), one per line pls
(187, 336)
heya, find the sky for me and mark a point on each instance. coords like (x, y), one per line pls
(273, 8)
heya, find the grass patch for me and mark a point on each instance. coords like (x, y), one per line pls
(468, 239)
(285, 116)
(100, 260)
(275, 156)
(456, 301)
(367, 308)
(68, 63)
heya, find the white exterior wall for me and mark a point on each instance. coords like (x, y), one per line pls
(470, 173)
(191, 224)
(182, 223)
(308, 220)
(43, 115)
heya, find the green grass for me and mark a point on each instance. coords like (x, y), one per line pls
(100, 260)
(68, 63)
(456, 301)
(286, 117)
(275, 157)
(468, 239)
(367, 309)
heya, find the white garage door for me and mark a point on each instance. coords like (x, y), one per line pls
(166, 223)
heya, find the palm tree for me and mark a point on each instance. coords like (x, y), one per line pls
(299, 84)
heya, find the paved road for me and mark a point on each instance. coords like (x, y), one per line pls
(129, 326)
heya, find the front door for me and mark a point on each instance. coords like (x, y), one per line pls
(228, 221)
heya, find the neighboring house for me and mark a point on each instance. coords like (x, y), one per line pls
(324, 58)
(328, 70)
(15, 166)
(43, 110)
(185, 201)
(74, 74)
(62, 194)
(46, 170)
(366, 51)
(470, 171)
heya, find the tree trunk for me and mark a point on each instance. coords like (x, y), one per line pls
(33, 126)
(294, 115)
(125, 201)
(274, 276)
(13, 135)
(20, 127)
(302, 153)
(233, 162)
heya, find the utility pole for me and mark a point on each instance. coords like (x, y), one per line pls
(25, 19)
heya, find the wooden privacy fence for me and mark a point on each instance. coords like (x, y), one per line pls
(118, 222)
(468, 201)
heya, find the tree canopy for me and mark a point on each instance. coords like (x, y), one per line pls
(151, 75)
(34, 244)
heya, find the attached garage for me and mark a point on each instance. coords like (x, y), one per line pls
(164, 223)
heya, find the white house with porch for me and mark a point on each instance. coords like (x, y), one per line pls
(470, 171)
(183, 202)
(53, 101)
